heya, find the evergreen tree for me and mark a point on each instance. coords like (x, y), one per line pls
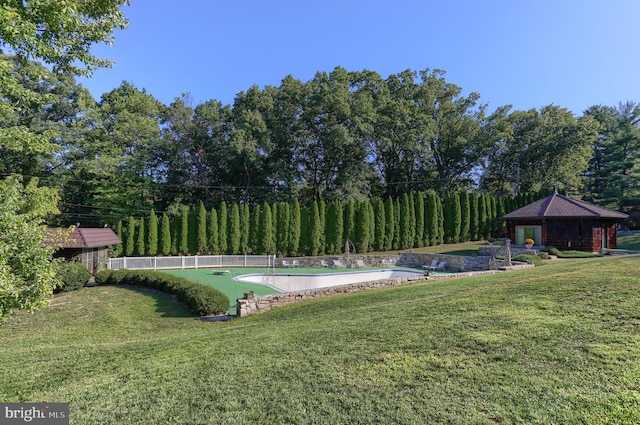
(129, 245)
(141, 248)
(363, 220)
(118, 248)
(267, 239)
(482, 217)
(335, 227)
(165, 236)
(390, 224)
(349, 220)
(223, 227)
(316, 230)
(431, 218)
(294, 229)
(380, 228)
(254, 232)
(175, 233)
(234, 229)
(406, 241)
(322, 210)
(193, 231)
(448, 218)
(372, 223)
(465, 216)
(500, 212)
(183, 247)
(473, 217)
(305, 230)
(419, 213)
(440, 220)
(456, 219)
(214, 236)
(152, 245)
(245, 217)
(202, 240)
(398, 226)
(282, 231)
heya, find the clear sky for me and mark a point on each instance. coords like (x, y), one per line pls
(571, 53)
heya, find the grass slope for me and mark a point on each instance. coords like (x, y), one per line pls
(550, 345)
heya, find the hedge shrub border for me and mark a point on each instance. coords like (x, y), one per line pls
(201, 299)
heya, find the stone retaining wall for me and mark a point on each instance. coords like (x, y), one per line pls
(252, 304)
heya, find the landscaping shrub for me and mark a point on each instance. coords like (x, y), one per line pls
(543, 255)
(73, 275)
(528, 258)
(200, 299)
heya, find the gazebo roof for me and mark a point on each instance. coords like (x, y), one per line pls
(559, 206)
(85, 237)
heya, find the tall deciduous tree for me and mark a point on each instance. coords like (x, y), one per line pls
(61, 35)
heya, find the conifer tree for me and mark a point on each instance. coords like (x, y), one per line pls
(440, 220)
(223, 227)
(165, 236)
(322, 211)
(193, 230)
(494, 215)
(294, 228)
(282, 231)
(118, 248)
(214, 236)
(316, 230)
(482, 216)
(141, 248)
(129, 246)
(184, 231)
(390, 224)
(234, 229)
(372, 223)
(202, 240)
(456, 217)
(349, 220)
(431, 219)
(412, 220)
(465, 216)
(405, 223)
(335, 227)
(254, 230)
(380, 228)
(473, 217)
(363, 220)
(305, 231)
(245, 217)
(267, 239)
(396, 230)
(175, 233)
(419, 211)
(152, 245)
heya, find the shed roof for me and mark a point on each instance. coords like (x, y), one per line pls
(85, 237)
(560, 206)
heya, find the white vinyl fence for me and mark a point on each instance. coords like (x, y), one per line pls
(191, 262)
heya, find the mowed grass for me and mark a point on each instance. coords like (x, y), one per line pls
(629, 240)
(558, 344)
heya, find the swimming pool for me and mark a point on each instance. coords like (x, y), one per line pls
(285, 282)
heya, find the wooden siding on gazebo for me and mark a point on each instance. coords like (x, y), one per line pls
(565, 223)
(87, 245)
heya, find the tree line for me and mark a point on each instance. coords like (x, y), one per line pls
(413, 220)
(342, 135)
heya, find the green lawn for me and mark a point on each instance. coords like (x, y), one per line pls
(629, 241)
(558, 344)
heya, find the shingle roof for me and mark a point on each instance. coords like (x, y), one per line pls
(86, 237)
(559, 206)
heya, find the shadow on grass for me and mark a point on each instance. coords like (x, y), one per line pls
(166, 304)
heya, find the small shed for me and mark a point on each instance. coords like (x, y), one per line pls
(87, 245)
(565, 223)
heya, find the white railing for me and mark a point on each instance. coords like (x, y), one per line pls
(191, 262)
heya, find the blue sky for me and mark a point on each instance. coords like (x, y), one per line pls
(571, 53)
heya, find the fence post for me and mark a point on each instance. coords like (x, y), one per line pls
(196, 261)
(124, 262)
(182, 262)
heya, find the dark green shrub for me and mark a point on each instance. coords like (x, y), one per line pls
(200, 299)
(527, 258)
(543, 255)
(73, 275)
(551, 250)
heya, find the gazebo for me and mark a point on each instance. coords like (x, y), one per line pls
(87, 245)
(564, 223)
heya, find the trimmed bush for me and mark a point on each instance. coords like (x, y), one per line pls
(73, 275)
(201, 299)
